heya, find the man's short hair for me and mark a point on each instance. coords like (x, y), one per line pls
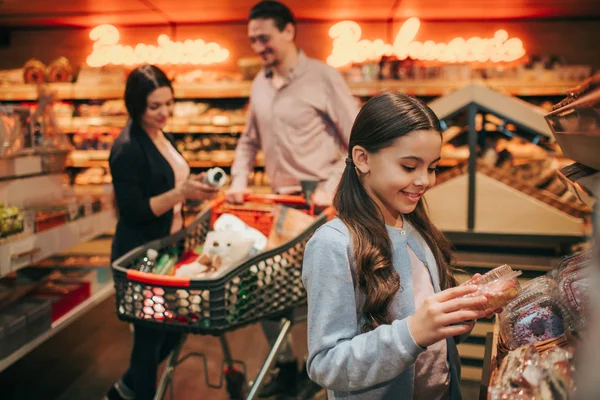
(270, 9)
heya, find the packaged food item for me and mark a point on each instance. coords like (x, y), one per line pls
(509, 377)
(532, 318)
(540, 286)
(500, 291)
(215, 177)
(528, 374)
(574, 262)
(499, 286)
(573, 289)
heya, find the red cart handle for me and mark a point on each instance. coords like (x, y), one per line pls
(157, 280)
(262, 198)
(276, 198)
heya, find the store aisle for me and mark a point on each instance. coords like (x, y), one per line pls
(81, 362)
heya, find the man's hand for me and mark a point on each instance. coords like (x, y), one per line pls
(236, 196)
(322, 198)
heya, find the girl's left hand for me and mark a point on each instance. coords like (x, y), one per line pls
(491, 313)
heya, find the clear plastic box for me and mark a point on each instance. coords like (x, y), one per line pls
(573, 263)
(542, 285)
(576, 126)
(499, 286)
(532, 318)
(574, 289)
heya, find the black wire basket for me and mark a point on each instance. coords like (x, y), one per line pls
(266, 285)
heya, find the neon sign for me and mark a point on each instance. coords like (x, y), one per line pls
(107, 50)
(348, 47)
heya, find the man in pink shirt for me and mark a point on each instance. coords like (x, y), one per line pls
(301, 114)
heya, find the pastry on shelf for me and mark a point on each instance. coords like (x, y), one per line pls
(187, 109)
(113, 108)
(222, 156)
(89, 110)
(203, 155)
(521, 148)
(60, 70)
(34, 71)
(530, 374)
(93, 176)
(450, 151)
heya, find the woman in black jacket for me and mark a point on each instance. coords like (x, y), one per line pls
(151, 182)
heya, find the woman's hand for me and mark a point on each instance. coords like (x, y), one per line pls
(194, 189)
(445, 314)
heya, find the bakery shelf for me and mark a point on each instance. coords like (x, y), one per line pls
(87, 163)
(207, 129)
(576, 127)
(78, 91)
(520, 112)
(193, 164)
(102, 293)
(24, 250)
(30, 93)
(175, 125)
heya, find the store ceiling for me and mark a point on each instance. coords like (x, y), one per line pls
(86, 13)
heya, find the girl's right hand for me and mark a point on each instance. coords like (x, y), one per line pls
(194, 189)
(442, 315)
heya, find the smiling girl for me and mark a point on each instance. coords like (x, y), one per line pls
(384, 314)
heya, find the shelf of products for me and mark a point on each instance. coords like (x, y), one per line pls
(433, 87)
(534, 350)
(101, 294)
(520, 112)
(21, 251)
(514, 168)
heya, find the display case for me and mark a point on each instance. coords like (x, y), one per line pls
(554, 315)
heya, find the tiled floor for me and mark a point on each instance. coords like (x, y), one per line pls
(86, 358)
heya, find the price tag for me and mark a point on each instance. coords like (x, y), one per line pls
(87, 206)
(28, 221)
(73, 209)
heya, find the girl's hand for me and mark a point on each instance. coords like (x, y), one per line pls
(491, 313)
(444, 315)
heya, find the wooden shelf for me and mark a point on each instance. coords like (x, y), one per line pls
(86, 163)
(204, 129)
(78, 91)
(175, 125)
(193, 164)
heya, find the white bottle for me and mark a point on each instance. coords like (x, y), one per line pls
(215, 177)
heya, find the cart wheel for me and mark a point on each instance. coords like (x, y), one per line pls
(236, 384)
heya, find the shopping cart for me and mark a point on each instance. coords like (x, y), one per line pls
(267, 286)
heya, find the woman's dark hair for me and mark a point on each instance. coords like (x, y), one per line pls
(274, 10)
(140, 83)
(382, 120)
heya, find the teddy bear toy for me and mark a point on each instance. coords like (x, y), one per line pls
(221, 250)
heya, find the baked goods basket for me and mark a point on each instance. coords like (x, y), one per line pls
(266, 285)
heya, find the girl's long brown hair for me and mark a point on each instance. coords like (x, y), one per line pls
(382, 120)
